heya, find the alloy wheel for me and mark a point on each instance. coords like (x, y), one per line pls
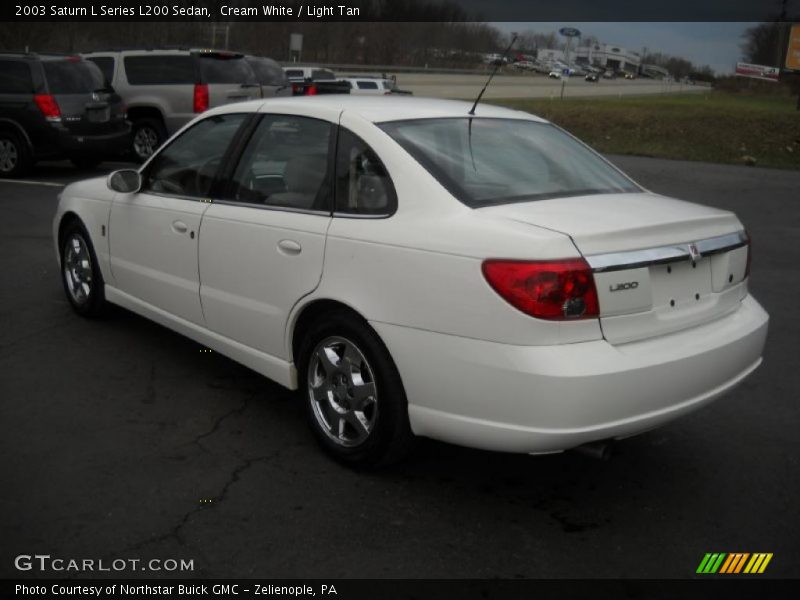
(145, 142)
(78, 269)
(9, 156)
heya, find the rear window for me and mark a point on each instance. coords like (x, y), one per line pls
(267, 71)
(484, 162)
(223, 69)
(106, 65)
(72, 76)
(294, 73)
(160, 70)
(368, 85)
(15, 77)
(322, 75)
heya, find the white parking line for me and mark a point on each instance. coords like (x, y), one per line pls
(28, 182)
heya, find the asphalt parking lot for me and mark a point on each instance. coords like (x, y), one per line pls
(122, 439)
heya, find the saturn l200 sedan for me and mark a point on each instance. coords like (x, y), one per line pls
(415, 270)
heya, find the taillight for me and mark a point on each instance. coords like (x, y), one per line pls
(49, 107)
(556, 289)
(200, 97)
(311, 90)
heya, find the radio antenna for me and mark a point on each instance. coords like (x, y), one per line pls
(496, 66)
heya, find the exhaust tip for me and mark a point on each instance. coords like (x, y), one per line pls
(597, 450)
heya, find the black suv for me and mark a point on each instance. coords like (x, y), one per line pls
(54, 106)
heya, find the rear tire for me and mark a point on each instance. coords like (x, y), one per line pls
(15, 159)
(80, 274)
(353, 396)
(147, 136)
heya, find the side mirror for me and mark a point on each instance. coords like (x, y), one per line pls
(125, 181)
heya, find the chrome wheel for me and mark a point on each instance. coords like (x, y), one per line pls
(9, 156)
(145, 142)
(342, 393)
(78, 269)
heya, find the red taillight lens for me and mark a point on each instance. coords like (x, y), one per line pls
(200, 97)
(311, 90)
(557, 289)
(48, 105)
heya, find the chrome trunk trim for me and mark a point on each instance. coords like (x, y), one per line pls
(617, 261)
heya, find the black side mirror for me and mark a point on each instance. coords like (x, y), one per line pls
(125, 181)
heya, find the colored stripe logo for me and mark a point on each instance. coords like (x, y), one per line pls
(734, 563)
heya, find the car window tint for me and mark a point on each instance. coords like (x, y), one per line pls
(72, 76)
(187, 166)
(322, 75)
(15, 77)
(362, 184)
(160, 70)
(106, 65)
(367, 85)
(285, 164)
(267, 71)
(223, 69)
(294, 73)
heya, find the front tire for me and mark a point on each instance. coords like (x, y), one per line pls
(15, 159)
(354, 399)
(80, 274)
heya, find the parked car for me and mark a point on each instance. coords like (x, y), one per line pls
(591, 78)
(609, 74)
(525, 65)
(630, 75)
(372, 86)
(165, 89)
(313, 81)
(270, 76)
(53, 107)
(483, 280)
(554, 74)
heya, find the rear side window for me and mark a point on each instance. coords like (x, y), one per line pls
(106, 65)
(220, 69)
(72, 76)
(15, 77)
(160, 70)
(363, 186)
(368, 85)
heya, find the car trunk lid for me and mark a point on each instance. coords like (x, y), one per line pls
(660, 265)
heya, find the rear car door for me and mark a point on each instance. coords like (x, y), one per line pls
(153, 234)
(263, 242)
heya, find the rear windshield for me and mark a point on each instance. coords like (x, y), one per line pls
(225, 69)
(73, 76)
(484, 162)
(267, 71)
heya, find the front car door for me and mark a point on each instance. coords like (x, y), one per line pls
(153, 234)
(263, 242)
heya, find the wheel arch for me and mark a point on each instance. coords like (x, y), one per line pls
(305, 315)
(12, 125)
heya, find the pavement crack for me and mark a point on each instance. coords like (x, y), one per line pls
(218, 423)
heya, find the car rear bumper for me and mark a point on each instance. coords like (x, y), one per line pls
(63, 143)
(539, 399)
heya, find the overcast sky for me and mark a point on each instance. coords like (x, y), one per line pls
(715, 44)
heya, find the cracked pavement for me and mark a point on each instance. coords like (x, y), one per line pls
(124, 440)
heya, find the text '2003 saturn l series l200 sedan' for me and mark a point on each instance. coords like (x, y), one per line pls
(416, 270)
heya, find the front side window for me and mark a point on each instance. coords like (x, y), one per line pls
(363, 186)
(285, 164)
(188, 166)
(484, 162)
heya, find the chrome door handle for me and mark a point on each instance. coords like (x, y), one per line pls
(179, 227)
(289, 247)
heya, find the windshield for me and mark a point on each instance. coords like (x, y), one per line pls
(484, 162)
(73, 76)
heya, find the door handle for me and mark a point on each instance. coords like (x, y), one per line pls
(179, 227)
(289, 247)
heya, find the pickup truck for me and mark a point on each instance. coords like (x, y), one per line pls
(311, 81)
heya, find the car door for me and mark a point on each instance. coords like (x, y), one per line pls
(153, 234)
(262, 244)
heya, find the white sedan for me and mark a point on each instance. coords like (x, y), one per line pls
(414, 270)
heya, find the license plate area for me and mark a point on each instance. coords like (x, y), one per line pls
(98, 115)
(680, 284)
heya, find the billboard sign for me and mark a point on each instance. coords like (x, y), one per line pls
(793, 53)
(757, 71)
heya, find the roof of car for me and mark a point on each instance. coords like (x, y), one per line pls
(379, 109)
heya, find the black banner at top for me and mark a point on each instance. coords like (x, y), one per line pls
(400, 10)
